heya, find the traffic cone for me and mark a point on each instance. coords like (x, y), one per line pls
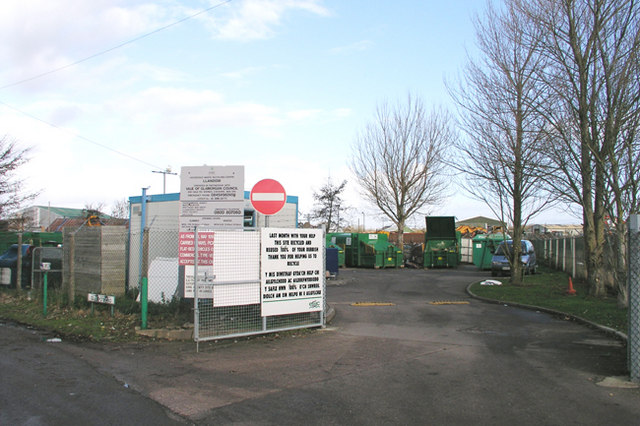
(571, 291)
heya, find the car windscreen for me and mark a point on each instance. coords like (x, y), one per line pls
(500, 251)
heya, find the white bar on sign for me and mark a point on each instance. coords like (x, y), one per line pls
(267, 196)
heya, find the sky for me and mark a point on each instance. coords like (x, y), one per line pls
(106, 92)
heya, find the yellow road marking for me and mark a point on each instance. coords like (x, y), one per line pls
(448, 302)
(373, 304)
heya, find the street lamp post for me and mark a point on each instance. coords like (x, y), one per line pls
(164, 172)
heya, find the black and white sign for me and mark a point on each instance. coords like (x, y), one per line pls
(211, 197)
(292, 271)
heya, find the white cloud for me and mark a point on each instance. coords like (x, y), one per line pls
(40, 35)
(258, 19)
(174, 111)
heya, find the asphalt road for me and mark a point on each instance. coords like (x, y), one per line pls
(416, 350)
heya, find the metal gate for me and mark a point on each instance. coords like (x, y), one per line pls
(227, 299)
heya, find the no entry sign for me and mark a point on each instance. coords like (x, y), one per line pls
(268, 196)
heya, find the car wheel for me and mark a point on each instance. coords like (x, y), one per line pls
(494, 274)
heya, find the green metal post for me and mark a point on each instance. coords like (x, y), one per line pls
(44, 288)
(143, 302)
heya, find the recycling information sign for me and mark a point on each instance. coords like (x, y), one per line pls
(292, 271)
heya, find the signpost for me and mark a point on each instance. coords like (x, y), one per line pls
(268, 197)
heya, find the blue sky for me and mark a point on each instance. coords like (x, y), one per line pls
(279, 86)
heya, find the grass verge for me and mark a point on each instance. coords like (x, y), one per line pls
(547, 289)
(76, 321)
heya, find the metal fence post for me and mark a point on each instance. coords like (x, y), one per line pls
(72, 268)
(573, 257)
(634, 298)
(19, 263)
(196, 302)
(144, 282)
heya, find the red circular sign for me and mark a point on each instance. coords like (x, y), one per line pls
(268, 196)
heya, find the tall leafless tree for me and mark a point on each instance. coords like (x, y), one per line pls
(590, 48)
(399, 159)
(499, 97)
(120, 209)
(12, 193)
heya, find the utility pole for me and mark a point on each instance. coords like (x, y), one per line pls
(164, 172)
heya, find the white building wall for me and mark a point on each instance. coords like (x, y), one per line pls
(162, 219)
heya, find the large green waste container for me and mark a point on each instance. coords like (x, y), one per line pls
(369, 249)
(344, 240)
(366, 250)
(441, 242)
(484, 245)
(393, 257)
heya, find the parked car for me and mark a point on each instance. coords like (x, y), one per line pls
(500, 263)
(32, 257)
(9, 263)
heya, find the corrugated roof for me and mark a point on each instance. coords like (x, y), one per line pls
(63, 211)
(479, 221)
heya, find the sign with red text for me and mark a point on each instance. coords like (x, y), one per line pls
(211, 197)
(187, 248)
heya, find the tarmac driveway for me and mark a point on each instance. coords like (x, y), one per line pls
(405, 347)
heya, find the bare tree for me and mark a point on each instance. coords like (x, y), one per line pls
(120, 209)
(329, 207)
(591, 52)
(12, 194)
(623, 182)
(499, 98)
(399, 159)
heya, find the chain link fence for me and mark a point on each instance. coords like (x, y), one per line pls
(562, 253)
(228, 296)
(567, 254)
(633, 342)
(162, 269)
(227, 300)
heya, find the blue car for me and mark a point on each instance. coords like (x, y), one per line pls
(500, 263)
(9, 265)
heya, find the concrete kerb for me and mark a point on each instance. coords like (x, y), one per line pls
(604, 329)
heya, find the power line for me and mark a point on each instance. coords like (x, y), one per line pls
(133, 40)
(80, 136)
(94, 56)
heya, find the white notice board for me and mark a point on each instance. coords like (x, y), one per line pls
(292, 271)
(211, 197)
